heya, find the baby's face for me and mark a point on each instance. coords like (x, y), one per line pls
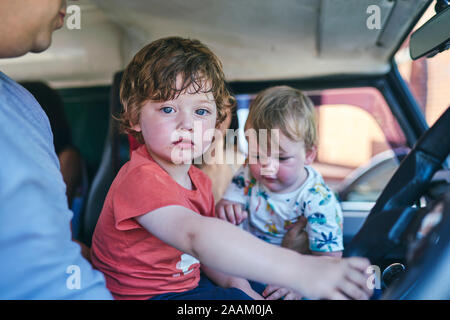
(178, 130)
(280, 170)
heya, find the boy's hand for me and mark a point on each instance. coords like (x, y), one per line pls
(231, 211)
(337, 279)
(272, 292)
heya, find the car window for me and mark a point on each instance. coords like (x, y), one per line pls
(359, 139)
(367, 183)
(427, 78)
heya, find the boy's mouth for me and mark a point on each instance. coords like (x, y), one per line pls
(184, 143)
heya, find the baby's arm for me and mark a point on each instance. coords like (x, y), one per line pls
(227, 248)
(324, 216)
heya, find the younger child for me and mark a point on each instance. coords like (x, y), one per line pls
(157, 228)
(276, 189)
(280, 191)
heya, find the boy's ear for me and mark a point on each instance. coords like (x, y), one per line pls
(136, 127)
(310, 155)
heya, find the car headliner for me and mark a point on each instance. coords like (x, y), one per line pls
(255, 39)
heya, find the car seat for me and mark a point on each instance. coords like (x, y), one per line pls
(115, 154)
(79, 201)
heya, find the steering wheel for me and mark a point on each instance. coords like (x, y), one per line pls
(383, 229)
(427, 276)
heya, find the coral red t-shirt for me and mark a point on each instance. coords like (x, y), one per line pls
(134, 144)
(136, 264)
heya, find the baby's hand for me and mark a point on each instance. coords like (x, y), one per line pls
(297, 238)
(272, 292)
(338, 279)
(230, 211)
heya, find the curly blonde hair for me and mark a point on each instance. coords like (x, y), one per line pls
(153, 72)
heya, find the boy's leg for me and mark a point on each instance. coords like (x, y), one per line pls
(206, 290)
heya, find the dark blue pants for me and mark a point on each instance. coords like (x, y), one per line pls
(206, 290)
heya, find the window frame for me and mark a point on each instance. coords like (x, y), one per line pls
(391, 86)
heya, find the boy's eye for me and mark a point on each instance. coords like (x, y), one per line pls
(284, 158)
(167, 109)
(202, 112)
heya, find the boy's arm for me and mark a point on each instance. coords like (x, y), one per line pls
(227, 281)
(215, 243)
(226, 248)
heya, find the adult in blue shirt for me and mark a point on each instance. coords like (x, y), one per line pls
(38, 258)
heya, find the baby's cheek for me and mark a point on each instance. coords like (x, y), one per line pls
(286, 174)
(255, 171)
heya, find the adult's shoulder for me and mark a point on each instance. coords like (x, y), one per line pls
(13, 92)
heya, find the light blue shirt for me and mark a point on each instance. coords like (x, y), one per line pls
(38, 260)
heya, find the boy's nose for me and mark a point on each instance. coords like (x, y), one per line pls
(186, 122)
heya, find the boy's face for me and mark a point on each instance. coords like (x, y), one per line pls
(178, 130)
(282, 170)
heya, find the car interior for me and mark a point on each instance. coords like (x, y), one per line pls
(382, 156)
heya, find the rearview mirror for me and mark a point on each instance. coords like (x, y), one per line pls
(433, 37)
